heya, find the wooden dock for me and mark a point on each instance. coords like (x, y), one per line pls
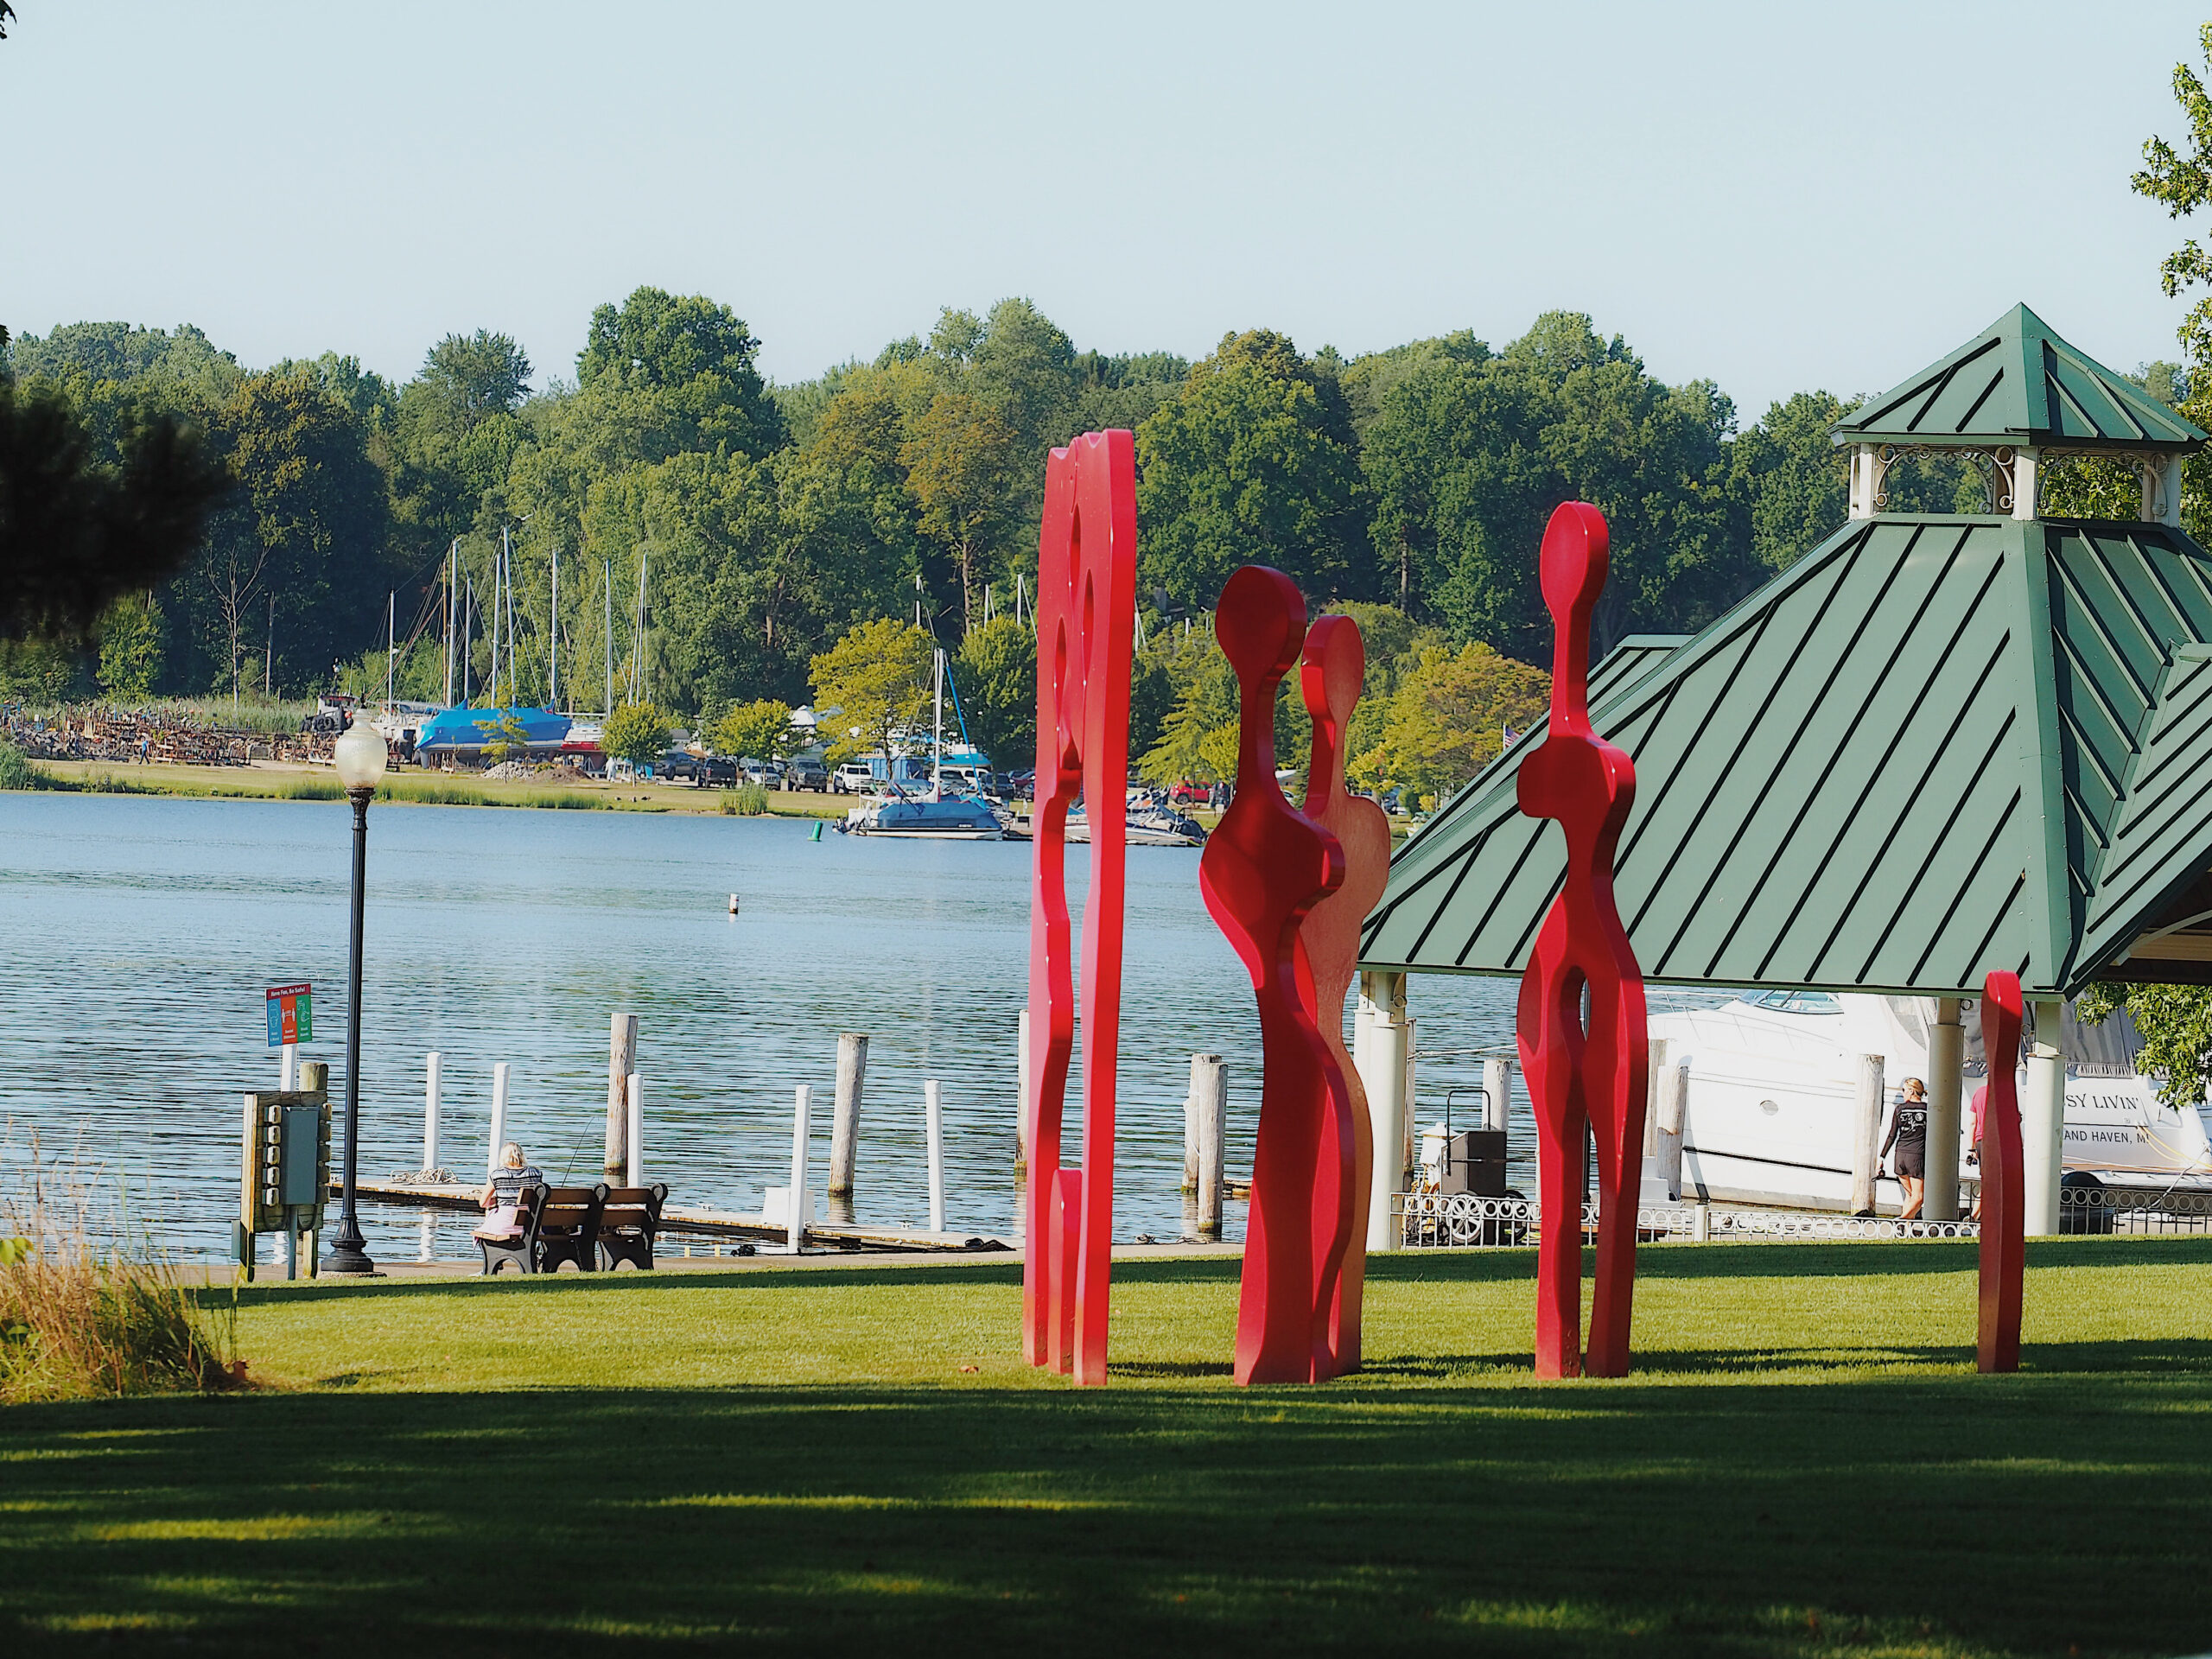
(710, 1224)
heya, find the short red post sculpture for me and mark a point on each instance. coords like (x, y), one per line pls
(1579, 1077)
(1331, 672)
(1086, 611)
(1264, 867)
(2004, 1187)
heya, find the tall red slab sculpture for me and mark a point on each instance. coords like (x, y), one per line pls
(1265, 867)
(1331, 669)
(1579, 1077)
(1086, 610)
(2004, 1180)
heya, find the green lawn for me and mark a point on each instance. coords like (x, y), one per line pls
(804, 1459)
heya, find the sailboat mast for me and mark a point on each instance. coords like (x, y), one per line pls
(553, 638)
(937, 766)
(390, 641)
(607, 583)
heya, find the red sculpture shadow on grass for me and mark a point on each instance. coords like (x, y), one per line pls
(1086, 608)
(2004, 1185)
(1265, 866)
(1579, 1077)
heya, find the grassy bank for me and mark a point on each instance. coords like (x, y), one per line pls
(856, 1459)
(265, 783)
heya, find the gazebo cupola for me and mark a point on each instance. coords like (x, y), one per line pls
(2011, 401)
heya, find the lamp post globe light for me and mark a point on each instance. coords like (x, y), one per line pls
(360, 759)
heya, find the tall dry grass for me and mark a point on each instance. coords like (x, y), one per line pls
(80, 1319)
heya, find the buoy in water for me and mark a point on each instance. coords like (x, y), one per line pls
(816, 835)
(733, 904)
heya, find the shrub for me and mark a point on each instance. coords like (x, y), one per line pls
(749, 800)
(312, 789)
(77, 1323)
(15, 771)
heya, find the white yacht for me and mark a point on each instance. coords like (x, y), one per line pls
(1769, 1111)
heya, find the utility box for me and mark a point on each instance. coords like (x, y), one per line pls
(286, 1175)
(1473, 1162)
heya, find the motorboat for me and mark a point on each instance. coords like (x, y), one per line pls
(1770, 1110)
(1146, 825)
(949, 818)
(936, 815)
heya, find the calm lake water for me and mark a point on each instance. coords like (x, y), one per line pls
(137, 935)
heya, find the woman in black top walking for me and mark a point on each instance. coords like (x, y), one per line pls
(1908, 1133)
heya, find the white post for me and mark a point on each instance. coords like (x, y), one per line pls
(288, 1068)
(2025, 467)
(1022, 1112)
(637, 1130)
(2042, 1120)
(1497, 1092)
(1947, 1051)
(933, 1126)
(498, 1115)
(1384, 1075)
(802, 1104)
(1868, 1097)
(1673, 1107)
(434, 1064)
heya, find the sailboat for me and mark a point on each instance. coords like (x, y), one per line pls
(933, 817)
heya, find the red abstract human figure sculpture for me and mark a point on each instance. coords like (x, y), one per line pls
(1578, 1077)
(1264, 867)
(1086, 609)
(2004, 1187)
(1330, 671)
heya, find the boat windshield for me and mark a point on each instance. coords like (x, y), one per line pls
(1798, 1003)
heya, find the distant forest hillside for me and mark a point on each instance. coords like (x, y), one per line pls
(775, 518)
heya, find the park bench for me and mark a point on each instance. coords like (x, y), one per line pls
(553, 1224)
(629, 1221)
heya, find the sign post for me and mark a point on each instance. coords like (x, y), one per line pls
(291, 1022)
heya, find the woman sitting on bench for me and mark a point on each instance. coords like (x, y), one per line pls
(502, 1194)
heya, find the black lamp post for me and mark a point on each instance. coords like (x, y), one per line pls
(359, 759)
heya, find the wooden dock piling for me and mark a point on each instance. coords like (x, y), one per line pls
(621, 1061)
(1866, 1132)
(1205, 1128)
(845, 1123)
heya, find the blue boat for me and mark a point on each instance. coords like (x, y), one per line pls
(469, 731)
(934, 816)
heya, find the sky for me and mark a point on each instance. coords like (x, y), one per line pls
(1775, 197)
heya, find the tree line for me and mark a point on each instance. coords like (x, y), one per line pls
(768, 521)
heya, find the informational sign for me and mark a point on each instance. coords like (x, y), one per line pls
(291, 1015)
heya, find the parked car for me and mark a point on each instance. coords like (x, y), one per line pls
(717, 772)
(1391, 803)
(806, 774)
(854, 778)
(768, 773)
(1020, 785)
(1187, 793)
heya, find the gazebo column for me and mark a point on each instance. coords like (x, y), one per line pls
(1946, 1052)
(1382, 1061)
(2043, 1120)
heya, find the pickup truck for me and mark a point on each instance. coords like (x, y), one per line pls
(806, 774)
(854, 778)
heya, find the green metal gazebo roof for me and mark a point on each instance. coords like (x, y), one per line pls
(1932, 748)
(2017, 383)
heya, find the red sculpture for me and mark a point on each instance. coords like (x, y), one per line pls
(1579, 1077)
(2004, 1185)
(1332, 669)
(1086, 610)
(1265, 867)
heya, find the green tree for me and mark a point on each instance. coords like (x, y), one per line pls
(1254, 461)
(759, 730)
(996, 674)
(693, 360)
(76, 531)
(504, 737)
(877, 679)
(2175, 1022)
(638, 732)
(131, 647)
(1791, 477)
(302, 552)
(1445, 721)
(958, 459)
